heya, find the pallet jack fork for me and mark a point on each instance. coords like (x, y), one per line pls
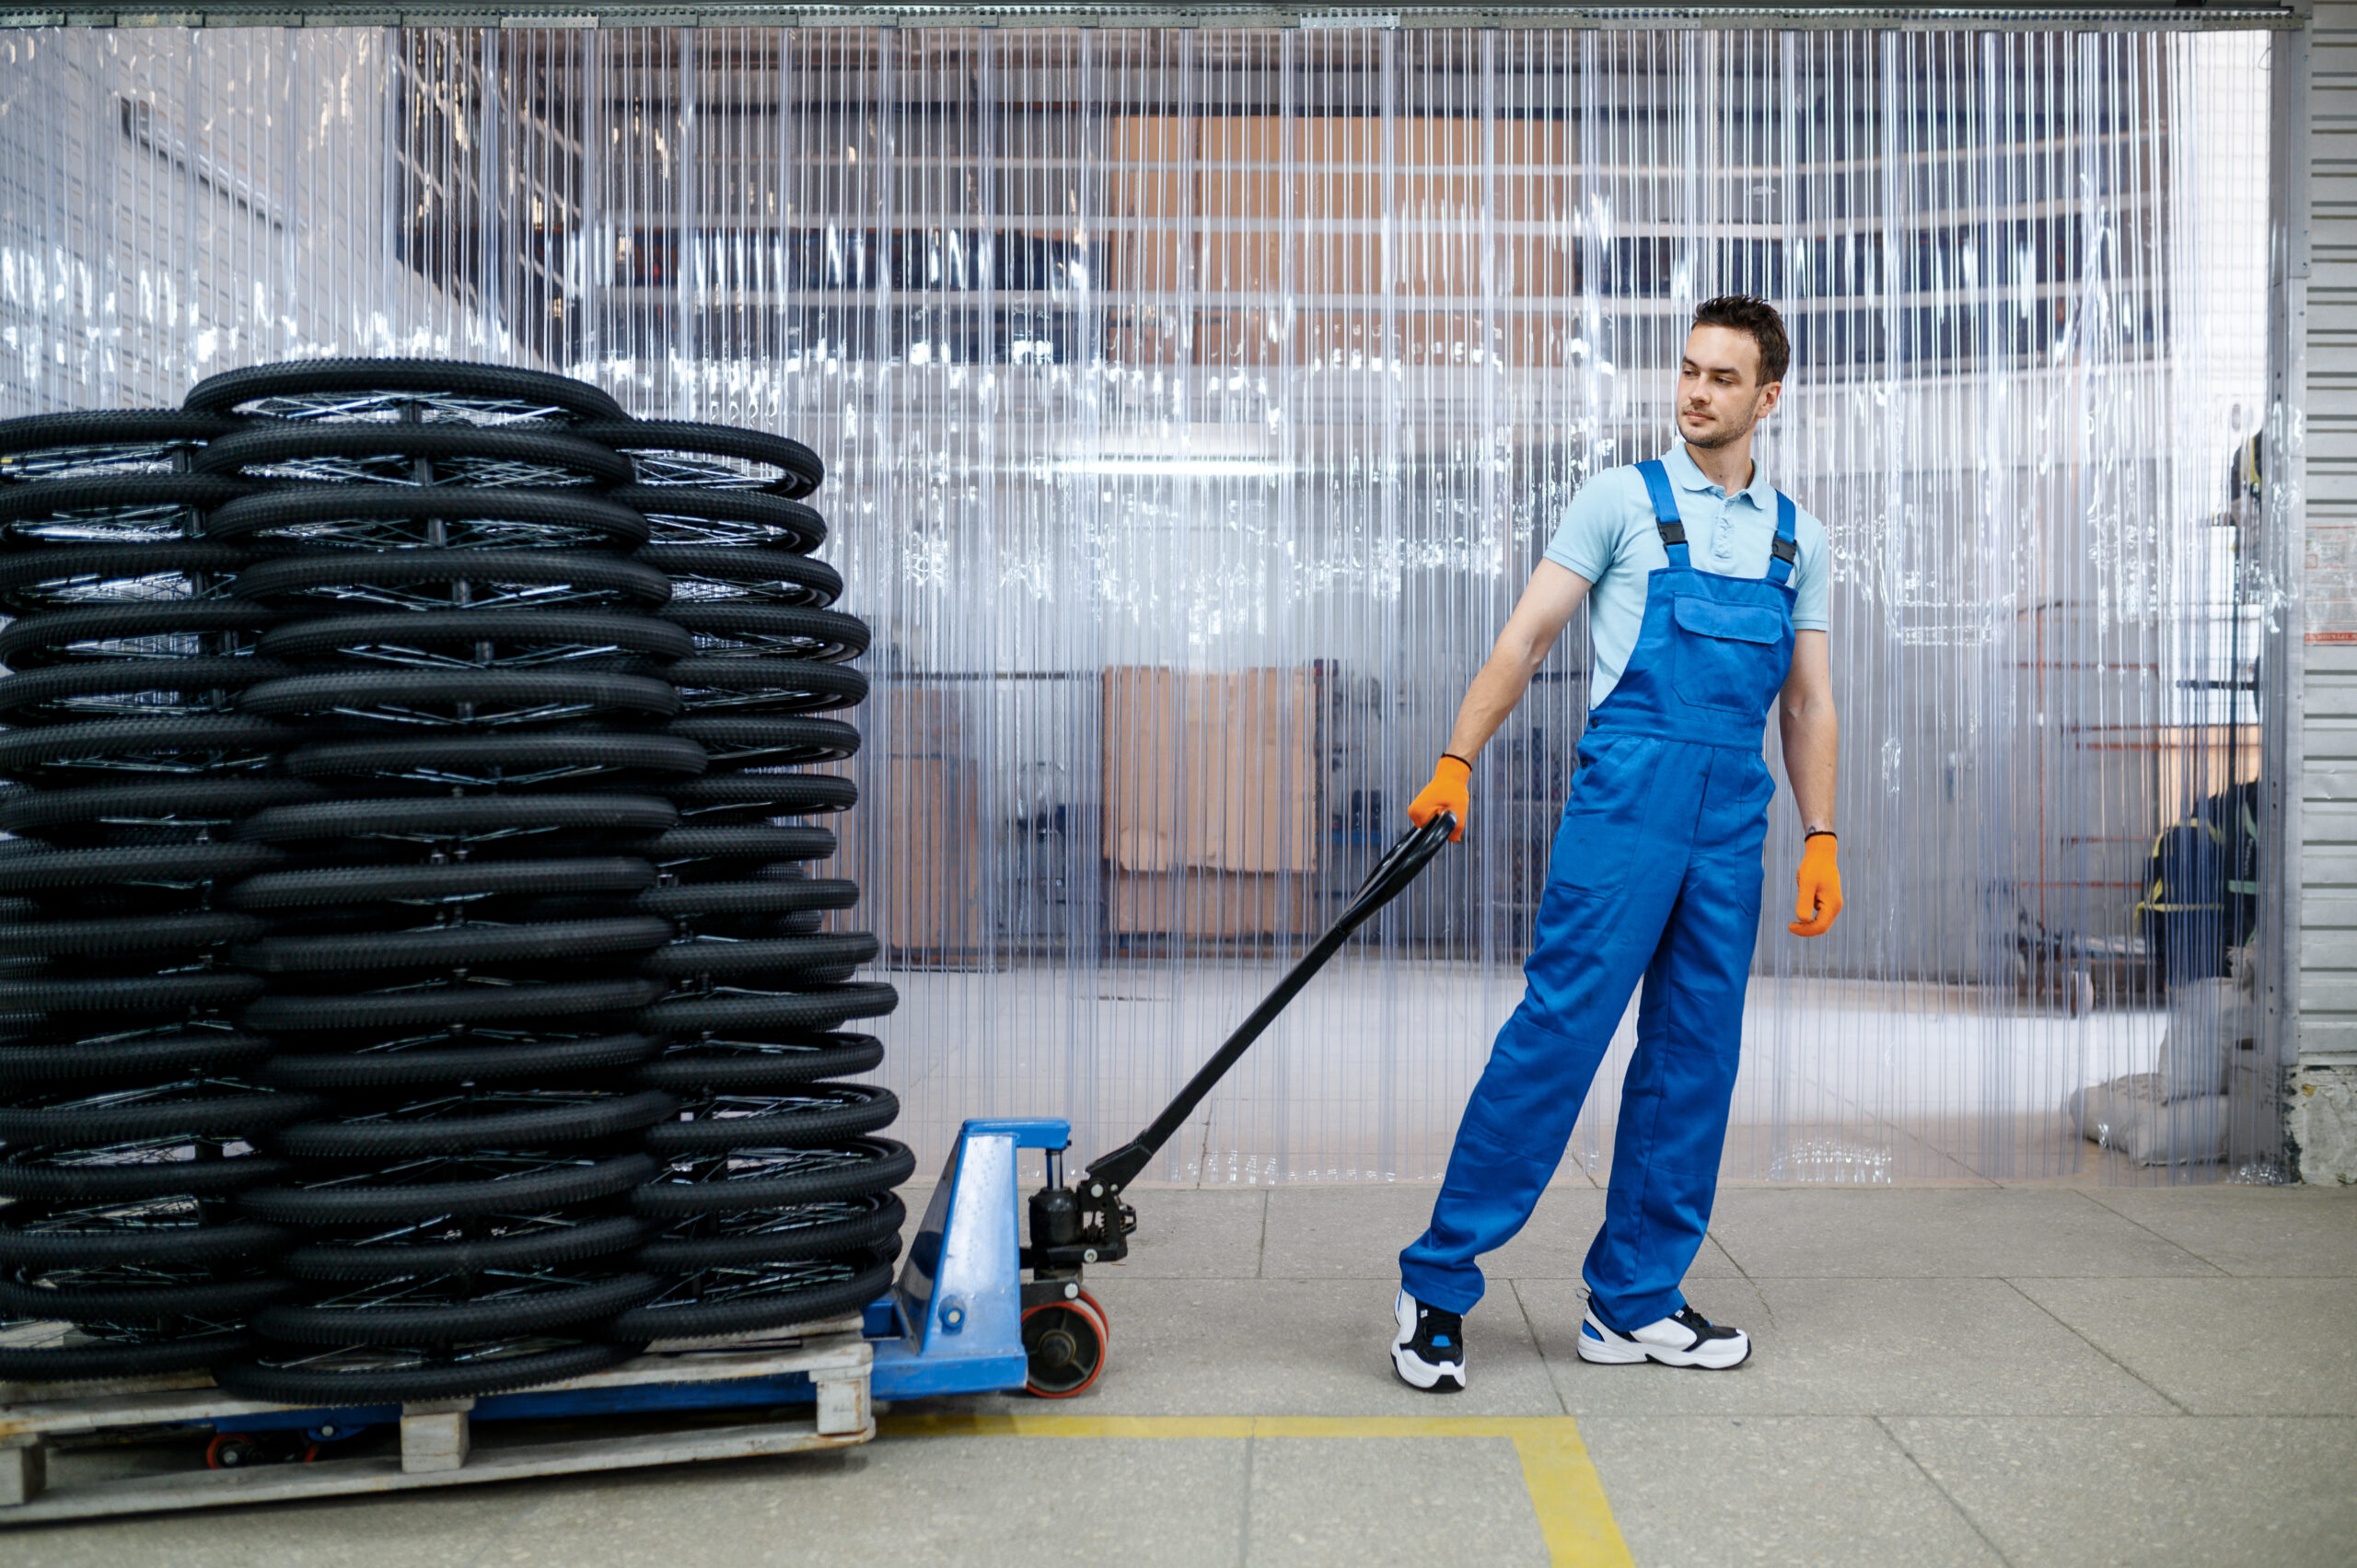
(963, 1318)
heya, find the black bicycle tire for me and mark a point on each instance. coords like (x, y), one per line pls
(533, 1314)
(42, 868)
(778, 957)
(592, 1121)
(685, 1255)
(22, 694)
(762, 795)
(30, 642)
(23, 570)
(240, 520)
(807, 1012)
(118, 1183)
(219, 1300)
(487, 878)
(733, 743)
(224, 1243)
(453, 946)
(749, 841)
(86, 1364)
(211, 802)
(601, 1237)
(279, 577)
(62, 745)
(801, 471)
(112, 427)
(664, 1199)
(474, 1005)
(263, 445)
(864, 1109)
(323, 637)
(611, 697)
(189, 1050)
(222, 393)
(833, 635)
(533, 753)
(683, 900)
(134, 995)
(184, 931)
(744, 1314)
(816, 584)
(253, 1380)
(196, 493)
(237, 1115)
(730, 684)
(626, 815)
(548, 1062)
(345, 1207)
(791, 520)
(695, 1067)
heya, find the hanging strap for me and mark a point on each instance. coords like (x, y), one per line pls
(1665, 518)
(1785, 549)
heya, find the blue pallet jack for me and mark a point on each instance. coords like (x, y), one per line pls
(964, 1318)
(975, 1309)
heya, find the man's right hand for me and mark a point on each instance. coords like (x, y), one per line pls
(1450, 791)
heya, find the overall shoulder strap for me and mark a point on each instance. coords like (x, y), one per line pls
(1785, 549)
(1665, 518)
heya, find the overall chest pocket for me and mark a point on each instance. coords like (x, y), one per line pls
(1731, 657)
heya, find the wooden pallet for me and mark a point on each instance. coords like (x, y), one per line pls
(437, 1437)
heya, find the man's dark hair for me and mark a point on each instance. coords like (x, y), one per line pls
(1749, 313)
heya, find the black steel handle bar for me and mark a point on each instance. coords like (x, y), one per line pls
(1390, 878)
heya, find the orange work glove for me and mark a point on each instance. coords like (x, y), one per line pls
(1450, 791)
(1820, 888)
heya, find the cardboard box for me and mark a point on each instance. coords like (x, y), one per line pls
(1211, 820)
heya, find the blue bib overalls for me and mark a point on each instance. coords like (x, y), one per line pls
(1655, 872)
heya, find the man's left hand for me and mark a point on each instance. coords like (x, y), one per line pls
(1820, 888)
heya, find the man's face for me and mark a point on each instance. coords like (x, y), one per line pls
(1719, 394)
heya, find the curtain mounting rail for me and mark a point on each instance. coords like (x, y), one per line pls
(2194, 16)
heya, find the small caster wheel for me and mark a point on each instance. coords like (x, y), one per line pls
(244, 1450)
(1065, 1342)
(233, 1451)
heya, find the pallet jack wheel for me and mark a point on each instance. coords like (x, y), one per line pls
(1065, 1342)
(243, 1451)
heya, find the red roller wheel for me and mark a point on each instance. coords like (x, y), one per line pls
(1065, 1342)
(233, 1451)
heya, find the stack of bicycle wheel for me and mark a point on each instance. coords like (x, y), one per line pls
(466, 681)
(775, 1205)
(130, 1105)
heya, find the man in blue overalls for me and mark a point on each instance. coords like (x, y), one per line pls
(1708, 609)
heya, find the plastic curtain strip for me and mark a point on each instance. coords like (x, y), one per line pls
(1196, 405)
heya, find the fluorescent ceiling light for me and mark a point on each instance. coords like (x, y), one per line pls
(1180, 465)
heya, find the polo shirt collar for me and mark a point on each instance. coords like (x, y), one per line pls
(1685, 475)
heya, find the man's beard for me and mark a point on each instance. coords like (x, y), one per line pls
(1730, 438)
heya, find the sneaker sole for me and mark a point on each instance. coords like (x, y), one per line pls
(1597, 1353)
(1442, 1383)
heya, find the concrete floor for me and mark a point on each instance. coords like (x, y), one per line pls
(2024, 1375)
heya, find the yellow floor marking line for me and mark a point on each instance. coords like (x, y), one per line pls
(1573, 1515)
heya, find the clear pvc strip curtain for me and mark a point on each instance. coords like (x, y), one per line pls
(1196, 404)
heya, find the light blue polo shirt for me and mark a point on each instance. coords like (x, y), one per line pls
(1608, 536)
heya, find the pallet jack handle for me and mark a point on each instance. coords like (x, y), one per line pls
(1398, 867)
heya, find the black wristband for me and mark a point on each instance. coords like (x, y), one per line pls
(1452, 757)
(1820, 833)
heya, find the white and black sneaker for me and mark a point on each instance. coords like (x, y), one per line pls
(1428, 1352)
(1687, 1339)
